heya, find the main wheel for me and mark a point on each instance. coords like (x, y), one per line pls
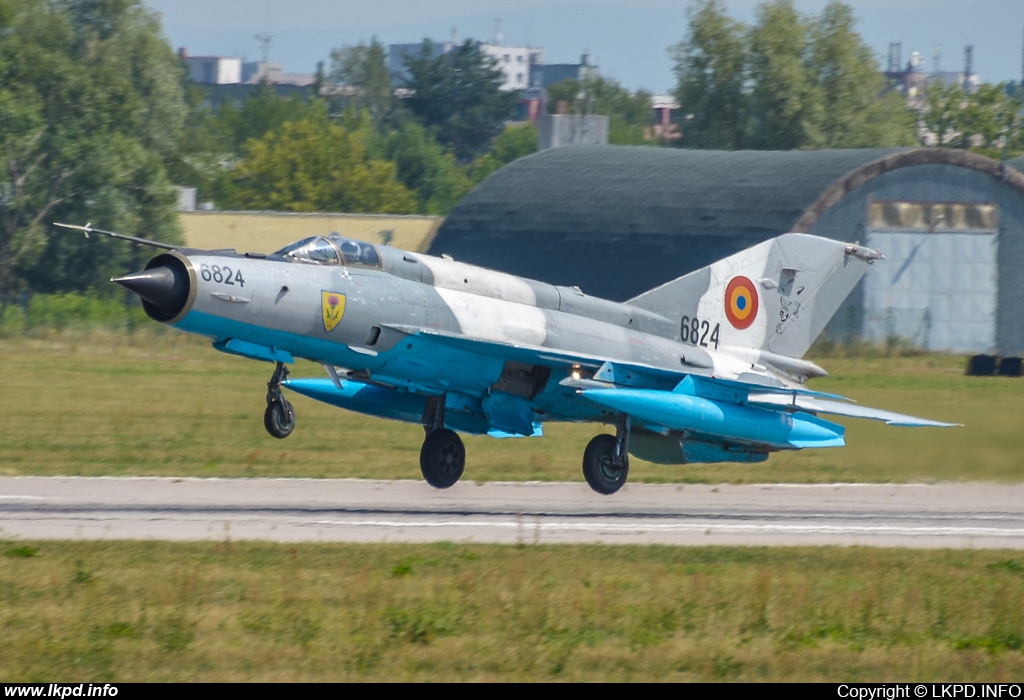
(279, 418)
(442, 458)
(599, 467)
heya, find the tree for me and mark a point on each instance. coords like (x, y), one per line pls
(784, 105)
(856, 109)
(214, 142)
(991, 118)
(943, 113)
(423, 166)
(363, 69)
(263, 112)
(513, 143)
(319, 165)
(986, 121)
(458, 96)
(789, 82)
(710, 69)
(629, 114)
(91, 109)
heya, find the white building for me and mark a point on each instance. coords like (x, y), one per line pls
(514, 61)
(214, 70)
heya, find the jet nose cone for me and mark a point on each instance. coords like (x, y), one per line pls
(163, 286)
(155, 286)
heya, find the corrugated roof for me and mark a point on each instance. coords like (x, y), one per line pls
(609, 190)
(617, 220)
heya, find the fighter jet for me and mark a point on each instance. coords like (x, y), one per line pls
(705, 368)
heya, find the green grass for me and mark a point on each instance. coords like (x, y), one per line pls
(152, 611)
(157, 403)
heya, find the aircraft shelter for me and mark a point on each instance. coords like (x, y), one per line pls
(618, 220)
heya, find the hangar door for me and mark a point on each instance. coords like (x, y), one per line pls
(937, 287)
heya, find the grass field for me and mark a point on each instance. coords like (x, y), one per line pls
(265, 232)
(148, 611)
(160, 403)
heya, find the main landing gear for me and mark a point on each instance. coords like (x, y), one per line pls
(443, 456)
(606, 459)
(279, 418)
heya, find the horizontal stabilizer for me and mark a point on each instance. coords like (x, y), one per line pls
(709, 386)
(833, 408)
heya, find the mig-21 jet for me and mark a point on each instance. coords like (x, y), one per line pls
(705, 368)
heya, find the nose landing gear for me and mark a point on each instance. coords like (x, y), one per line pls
(279, 418)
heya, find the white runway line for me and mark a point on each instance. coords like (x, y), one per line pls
(685, 527)
(295, 510)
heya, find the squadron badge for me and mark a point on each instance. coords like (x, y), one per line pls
(740, 302)
(333, 305)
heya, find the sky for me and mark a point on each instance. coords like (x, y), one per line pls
(629, 40)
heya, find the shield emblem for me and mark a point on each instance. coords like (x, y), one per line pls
(333, 305)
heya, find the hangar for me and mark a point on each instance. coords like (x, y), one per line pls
(618, 220)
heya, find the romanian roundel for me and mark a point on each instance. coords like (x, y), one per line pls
(740, 302)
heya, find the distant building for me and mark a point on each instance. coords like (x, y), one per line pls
(515, 62)
(664, 128)
(912, 81)
(556, 130)
(255, 71)
(227, 79)
(186, 198)
(301, 80)
(545, 75)
(213, 70)
(533, 102)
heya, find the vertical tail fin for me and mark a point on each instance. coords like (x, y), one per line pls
(777, 296)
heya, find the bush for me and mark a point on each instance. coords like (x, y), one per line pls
(41, 313)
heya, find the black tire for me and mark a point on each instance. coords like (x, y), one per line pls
(279, 419)
(442, 458)
(599, 468)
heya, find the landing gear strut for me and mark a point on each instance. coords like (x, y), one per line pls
(279, 418)
(606, 459)
(443, 456)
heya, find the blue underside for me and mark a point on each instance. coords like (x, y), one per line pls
(420, 366)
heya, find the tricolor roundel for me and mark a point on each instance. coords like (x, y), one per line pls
(740, 302)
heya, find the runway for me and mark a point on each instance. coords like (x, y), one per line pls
(296, 510)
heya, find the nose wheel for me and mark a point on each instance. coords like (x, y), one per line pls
(279, 418)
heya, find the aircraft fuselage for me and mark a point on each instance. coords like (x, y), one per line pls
(285, 306)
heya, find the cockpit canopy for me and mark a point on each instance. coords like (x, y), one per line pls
(331, 250)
